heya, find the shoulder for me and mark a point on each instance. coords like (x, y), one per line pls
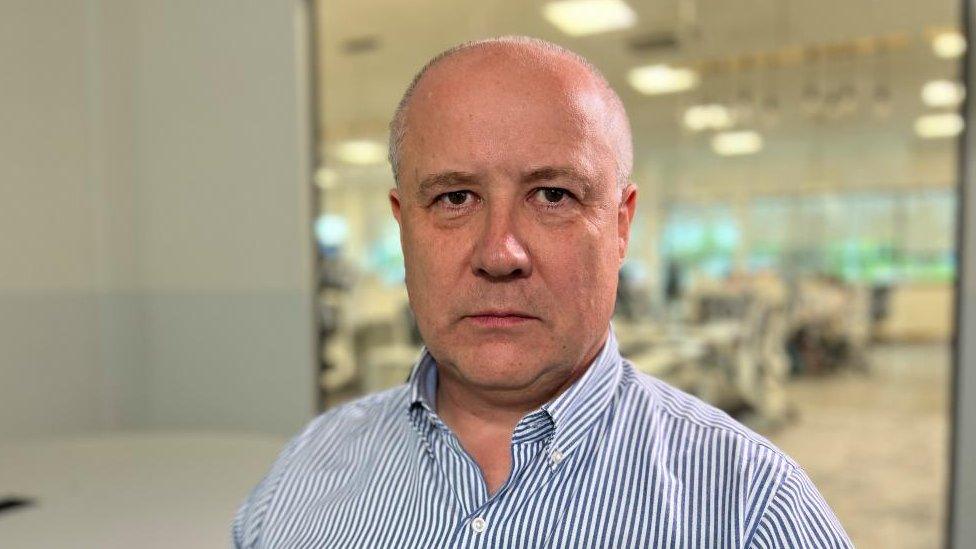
(340, 437)
(692, 439)
(796, 515)
(347, 421)
(356, 417)
(782, 507)
(345, 435)
(686, 417)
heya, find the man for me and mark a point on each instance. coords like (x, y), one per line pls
(521, 425)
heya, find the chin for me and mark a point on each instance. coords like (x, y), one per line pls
(498, 377)
(500, 364)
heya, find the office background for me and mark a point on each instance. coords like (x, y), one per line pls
(193, 193)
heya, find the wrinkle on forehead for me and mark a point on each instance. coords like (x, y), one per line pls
(540, 76)
(513, 132)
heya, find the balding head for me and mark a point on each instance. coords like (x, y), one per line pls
(546, 58)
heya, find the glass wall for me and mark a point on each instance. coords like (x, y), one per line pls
(859, 237)
(792, 258)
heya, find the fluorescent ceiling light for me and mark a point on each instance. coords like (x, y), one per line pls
(326, 178)
(932, 126)
(361, 151)
(949, 44)
(737, 143)
(707, 117)
(583, 17)
(943, 93)
(658, 79)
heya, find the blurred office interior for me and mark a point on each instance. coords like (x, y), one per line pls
(199, 254)
(793, 256)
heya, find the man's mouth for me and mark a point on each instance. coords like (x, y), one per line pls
(499, 318)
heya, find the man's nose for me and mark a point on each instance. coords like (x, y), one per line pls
(500, 253)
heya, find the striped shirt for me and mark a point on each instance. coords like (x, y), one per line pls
(619, 459)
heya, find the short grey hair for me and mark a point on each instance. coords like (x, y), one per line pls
(398, 125)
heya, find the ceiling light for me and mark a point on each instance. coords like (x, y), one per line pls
(583, 17)
(361, 151)
(737, 143)
(658, 79)
(326, 178)
(932, 126)
(707, 117)
(949, 44)
(943, 93)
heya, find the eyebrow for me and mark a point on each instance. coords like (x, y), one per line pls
(443, 180)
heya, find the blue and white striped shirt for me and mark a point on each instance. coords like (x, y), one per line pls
(619, 459)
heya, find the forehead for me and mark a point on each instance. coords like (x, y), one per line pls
(506, 106)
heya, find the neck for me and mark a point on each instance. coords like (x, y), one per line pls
(464, 408)
(468, 410)
(484, 421)
(485, 418)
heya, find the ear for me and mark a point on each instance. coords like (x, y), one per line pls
(395, 203)
(625, 215)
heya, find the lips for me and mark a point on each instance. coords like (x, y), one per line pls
(496, 318)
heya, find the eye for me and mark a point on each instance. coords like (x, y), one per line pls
(550, 196)
(455, 198)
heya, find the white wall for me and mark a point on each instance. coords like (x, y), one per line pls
(154, 216)
(224, 212)
(50, 372)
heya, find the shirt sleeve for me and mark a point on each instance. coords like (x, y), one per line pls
(249, 519)
(798, 517)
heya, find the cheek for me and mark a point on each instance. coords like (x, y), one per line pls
(582, 271)
(439, 255)
(432, 264)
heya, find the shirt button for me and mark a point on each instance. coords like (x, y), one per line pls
(556, 457)
(479, 525)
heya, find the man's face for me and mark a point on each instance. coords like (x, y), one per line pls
(512, 224)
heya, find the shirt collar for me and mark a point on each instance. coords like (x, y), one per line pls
(565, 419)
(423, 381)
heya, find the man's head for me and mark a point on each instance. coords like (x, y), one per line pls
(512, 158)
